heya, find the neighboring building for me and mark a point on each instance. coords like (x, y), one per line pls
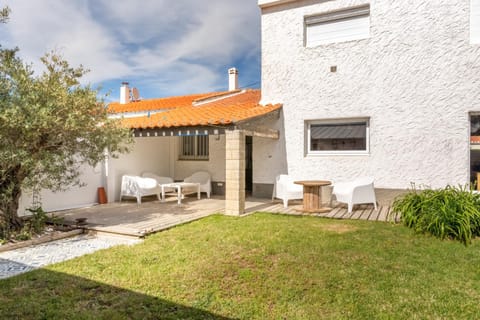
(389, 89)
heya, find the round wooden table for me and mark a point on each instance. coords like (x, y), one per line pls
(312, 195)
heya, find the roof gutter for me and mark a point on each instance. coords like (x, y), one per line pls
(229, 94)
(270, 3)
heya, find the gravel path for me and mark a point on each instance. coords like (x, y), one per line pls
(29, 258)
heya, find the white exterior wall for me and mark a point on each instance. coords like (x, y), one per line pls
(151, 154)
(160, 155)
(269, 155)
(215, 164)
(74, 197)
(416, 78)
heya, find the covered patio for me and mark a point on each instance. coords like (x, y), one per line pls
(222, 134)
(127, 218)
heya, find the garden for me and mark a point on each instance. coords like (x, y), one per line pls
(263, 266)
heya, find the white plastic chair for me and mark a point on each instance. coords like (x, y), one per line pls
(138, 187)
(358, 191)
(285, 189)
(204, 179)
(160, 180)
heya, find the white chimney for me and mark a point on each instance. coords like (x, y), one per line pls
(232, 79)
(124, 93)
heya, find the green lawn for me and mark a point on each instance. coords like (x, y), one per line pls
(262, 266)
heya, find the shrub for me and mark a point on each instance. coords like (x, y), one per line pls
(453, 212)
(34, 225)
(38, 220)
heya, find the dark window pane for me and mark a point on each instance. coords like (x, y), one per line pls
(338, 136)
(194, 147)
(188, 146)
(202, 149)
(475, 125)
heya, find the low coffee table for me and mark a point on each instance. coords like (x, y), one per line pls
(312, 195)
(179, 188)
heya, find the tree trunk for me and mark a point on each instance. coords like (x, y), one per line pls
(10, 192)
(9, 209)
(15, 222)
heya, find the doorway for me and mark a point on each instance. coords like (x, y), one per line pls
(248, 165)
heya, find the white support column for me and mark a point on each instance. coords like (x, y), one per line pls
(235, 172)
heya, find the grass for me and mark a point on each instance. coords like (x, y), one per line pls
(263, 266)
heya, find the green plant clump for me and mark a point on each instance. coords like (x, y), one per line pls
(452, 213)
(35, 224)
(38, 220)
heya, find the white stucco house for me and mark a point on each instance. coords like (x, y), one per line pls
(388, 89)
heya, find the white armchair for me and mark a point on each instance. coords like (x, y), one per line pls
(285, 189)
(204, 179)
(160, 180)
(138, 187)
(357, 191)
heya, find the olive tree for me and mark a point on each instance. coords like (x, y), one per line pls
(50, 125)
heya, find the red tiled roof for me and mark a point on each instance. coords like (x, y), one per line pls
(231, 109)
(159, 103)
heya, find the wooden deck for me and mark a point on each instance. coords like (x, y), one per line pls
(360, 212)
(127, 218)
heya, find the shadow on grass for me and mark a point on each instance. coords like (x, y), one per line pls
(43, 294)
(9, 268)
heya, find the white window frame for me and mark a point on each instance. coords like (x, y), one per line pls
(198, 144)
(474, 21)
(310, 152)
(336, 18)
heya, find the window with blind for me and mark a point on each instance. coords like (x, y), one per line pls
(338, 137)
(338, 26)
(194, 148)
(475, 21)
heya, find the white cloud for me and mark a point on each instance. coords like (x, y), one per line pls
(163, 42)
(38, 27)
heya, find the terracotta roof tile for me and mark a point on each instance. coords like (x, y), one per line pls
(160, 103)
(232, 109)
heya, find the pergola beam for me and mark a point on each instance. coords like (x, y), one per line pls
(263, 133)
(179, 131)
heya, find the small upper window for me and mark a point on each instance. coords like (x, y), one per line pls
(338, 26)
(339, 136)
(475, 21)
(194, 148)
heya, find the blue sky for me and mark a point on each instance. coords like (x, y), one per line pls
(162, 47)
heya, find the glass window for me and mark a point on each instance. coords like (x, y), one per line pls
(344, 136)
